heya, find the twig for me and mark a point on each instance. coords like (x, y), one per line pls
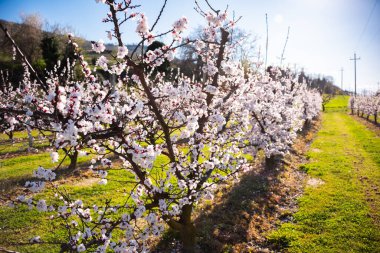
(25, 60)
(116, 24)
(209, 5)
(7, 250)
(199, 9)
(159, 16)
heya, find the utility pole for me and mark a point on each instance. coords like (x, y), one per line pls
(355, 59)
(283, 51)
(341, 78)
(266, 44)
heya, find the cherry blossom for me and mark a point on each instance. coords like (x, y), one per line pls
(98, 46)
(54, 157)
(366, 105)
(142, 26)
(203, 128)
(122, 52)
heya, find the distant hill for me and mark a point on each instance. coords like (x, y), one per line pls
(324, 84)
(29, 37)
(16, 28)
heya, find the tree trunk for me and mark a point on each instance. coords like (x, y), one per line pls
(73, 161)
(188, 238)
(375, 116)
(323, 107)
(187, 231)
(307, 124)
(368, 117)
(30, 139)
(272, 161)
(10, 136)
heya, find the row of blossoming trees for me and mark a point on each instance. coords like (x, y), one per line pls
(366, 106)
(204, 128)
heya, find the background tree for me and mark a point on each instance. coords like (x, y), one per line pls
(50, 50)
(29, 35)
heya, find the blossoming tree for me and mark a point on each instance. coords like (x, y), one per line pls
(366, 105)
(177, 137)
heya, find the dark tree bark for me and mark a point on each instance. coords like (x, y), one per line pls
(73, 161)
(10, 136)
(307, 124)
(272, 161)
(187, 231)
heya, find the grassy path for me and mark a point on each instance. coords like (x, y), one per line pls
(340, 209)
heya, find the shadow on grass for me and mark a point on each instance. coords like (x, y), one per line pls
(8, 186)
(370, 124)
(241, 215)
(368, 119)
(23, 150)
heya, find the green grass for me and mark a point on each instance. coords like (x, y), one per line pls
(21, 135)
(21, 142)
(19, 147)
(336, 215)
(23, 166)
(338, 103)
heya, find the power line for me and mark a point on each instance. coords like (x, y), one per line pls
(366, 24)
(373, 38)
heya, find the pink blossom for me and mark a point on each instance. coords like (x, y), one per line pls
(98, 46)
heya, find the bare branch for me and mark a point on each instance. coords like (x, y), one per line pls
(24, 59)
(209, 5)
(159, 16)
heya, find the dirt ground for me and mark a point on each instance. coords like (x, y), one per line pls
(241, 214)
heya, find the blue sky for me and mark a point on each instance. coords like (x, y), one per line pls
(324, 34)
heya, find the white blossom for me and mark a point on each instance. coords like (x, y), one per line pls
(122, 52)
(102, 62)
(41, 206)
(81, 248)
(54, 157)
(98, 46)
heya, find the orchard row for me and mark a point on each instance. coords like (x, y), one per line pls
(206, 127)
(368, 106)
